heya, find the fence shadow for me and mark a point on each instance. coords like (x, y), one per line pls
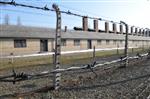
(105, 85)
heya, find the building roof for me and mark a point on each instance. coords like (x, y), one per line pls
(13, 31)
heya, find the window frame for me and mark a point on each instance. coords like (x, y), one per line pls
(99, 42)
(20, 43)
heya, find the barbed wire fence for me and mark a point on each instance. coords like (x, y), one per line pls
(16, 77)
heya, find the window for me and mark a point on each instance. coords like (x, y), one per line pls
(63, 42)
(99, 42)
(76, 42)
(107, 42)
(20, 43)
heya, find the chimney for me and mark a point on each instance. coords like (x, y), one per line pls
(114, 28)
(132, 30)
(85, 23)
(143, 33)
(121, 29)
(96, 25)
(136, 31)
(106, 27)
(140, 32)
(65, 29)
(148, 33)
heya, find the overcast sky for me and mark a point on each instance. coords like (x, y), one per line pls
(133, 12)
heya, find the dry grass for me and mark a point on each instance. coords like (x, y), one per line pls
(65, 59)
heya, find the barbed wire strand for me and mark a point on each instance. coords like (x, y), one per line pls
(27, 12)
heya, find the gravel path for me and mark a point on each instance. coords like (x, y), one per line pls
(115, 83)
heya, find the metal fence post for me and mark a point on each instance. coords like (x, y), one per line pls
(57, 76)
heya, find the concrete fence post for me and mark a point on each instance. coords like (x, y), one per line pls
(93, 53)
(126, 44)
(57, 76)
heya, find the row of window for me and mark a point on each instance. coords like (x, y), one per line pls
(22, 43)
(64, 42)
(99, 42)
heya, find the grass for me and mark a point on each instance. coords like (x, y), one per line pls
(65, 59)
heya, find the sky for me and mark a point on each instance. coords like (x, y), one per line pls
(133, 12)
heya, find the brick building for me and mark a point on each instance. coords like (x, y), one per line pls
(26, 40)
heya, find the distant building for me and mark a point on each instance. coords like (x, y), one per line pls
(26, 40)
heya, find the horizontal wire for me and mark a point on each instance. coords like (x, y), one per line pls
(47, 9)
(21, 11)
